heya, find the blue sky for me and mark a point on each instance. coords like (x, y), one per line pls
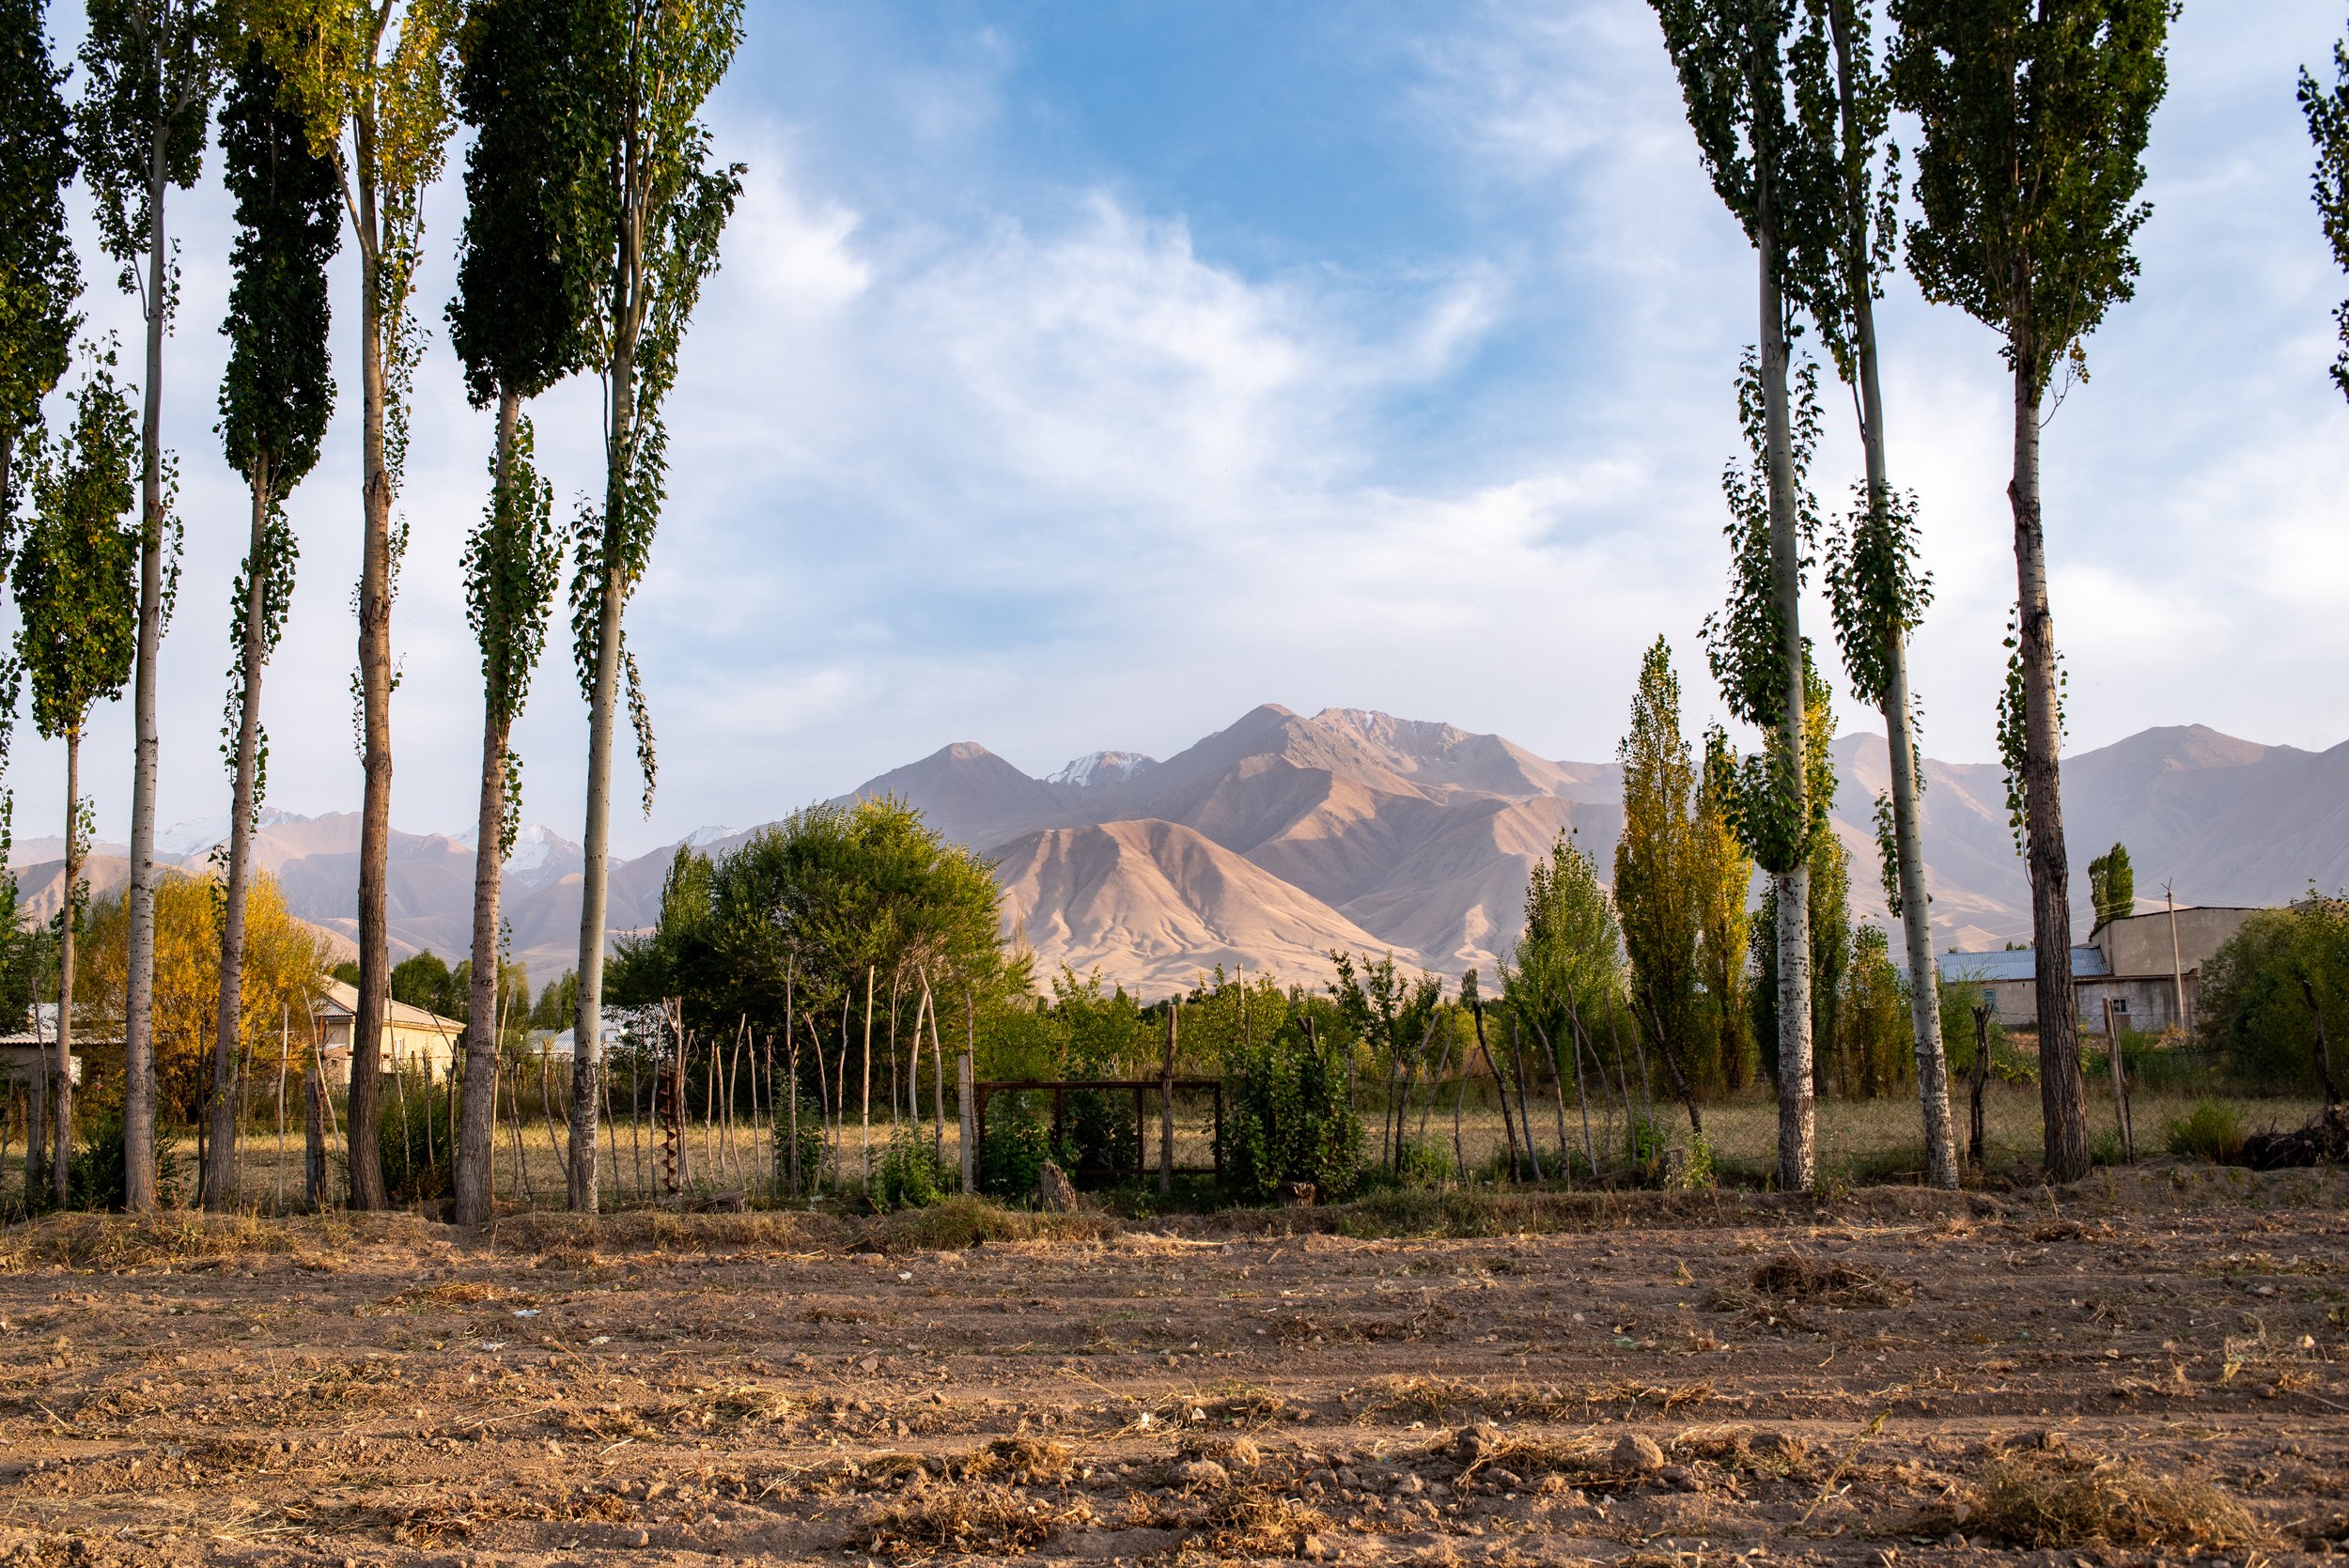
(1081, 374)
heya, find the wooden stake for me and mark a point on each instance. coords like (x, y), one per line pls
(1166, 1099)
(864, 1091)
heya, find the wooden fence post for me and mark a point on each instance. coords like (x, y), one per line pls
(1166, 1099)
(968, 1119)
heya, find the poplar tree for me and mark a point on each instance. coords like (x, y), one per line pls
(2035, 116)
(659, 209)
(2327, 112)
(149, 67)
(1779, 803)
(369, 80)
(77, 596)
(1876, 592)
(40, 277)
(1734, 60)
(273, 403)
(1657, 896)
(526, 294)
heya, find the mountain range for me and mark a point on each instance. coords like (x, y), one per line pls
(1272, 841)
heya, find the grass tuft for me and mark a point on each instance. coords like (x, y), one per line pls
(2053, 1501)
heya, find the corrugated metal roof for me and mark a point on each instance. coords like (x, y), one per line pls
(343, 998)
(2088, 963)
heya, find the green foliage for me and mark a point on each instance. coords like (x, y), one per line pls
(149, 70)
(1876, 1040)
(812, 1145)
(1829, 914)
(416, 1138)
(654, 220)
(2210, 1130)
(93, 1171)
(39, 276)
(558, 1004)
(1099, 1135)
(1422, 1162)
(2035, 116)
(276, 393)
(76, 575)
(1877, 596)
(1656, 899)
(2112, 885)
(425, 981)
(527, 266)
(2327, 112)
(804, 909)
(2262, 991)
(513, 562)
(1566, 969)
(1017, 1144)
(910, 1175)
(1287, 1117)
(2014, 732)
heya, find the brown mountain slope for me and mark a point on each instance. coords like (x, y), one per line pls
(1152, 904)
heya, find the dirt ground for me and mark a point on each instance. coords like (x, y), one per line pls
(2154, 1366)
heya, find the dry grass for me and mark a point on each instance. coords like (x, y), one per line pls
(1794, 1278)
(1252, 1520)
(972, 1517)
(2051, 1500)
(1019, 1462)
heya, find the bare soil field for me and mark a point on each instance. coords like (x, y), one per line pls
(2153, 1366)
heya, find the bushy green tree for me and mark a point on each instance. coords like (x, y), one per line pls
(1874, 1053)
(2112, 885)
(1656, 897)
(424, 980)
(75, 578)
(2035, 115)
(1287, 1117)
(1565, 976)
(2264, 993)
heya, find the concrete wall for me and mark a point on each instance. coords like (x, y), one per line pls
(2140, 944)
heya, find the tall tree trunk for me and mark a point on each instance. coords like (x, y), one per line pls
(61, 1125)
(477, 1129)
(138, 1022)
(603, 718)
(1796, 1103)
(375, 688)
(1924, 991)
(220, 1171)
(2063, 1093)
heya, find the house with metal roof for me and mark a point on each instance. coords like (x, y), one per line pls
(2146, 966)
(414, 1040)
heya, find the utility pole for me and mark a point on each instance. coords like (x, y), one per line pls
(2177, 965)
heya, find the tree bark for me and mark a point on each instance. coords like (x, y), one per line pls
(220, 1171)
(2063, 1092)
(375, 688)
(138, 1023)
(602, 718)
(61, 1125)
(477, 1128)
(1797, 1105)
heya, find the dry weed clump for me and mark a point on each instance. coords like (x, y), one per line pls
(1258, 1521)
(1019, 1462)
(115, 1243)
(1793, 1277)
(2051, 1500)
(976, 1516)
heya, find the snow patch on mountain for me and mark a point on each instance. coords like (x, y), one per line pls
(1103, 768)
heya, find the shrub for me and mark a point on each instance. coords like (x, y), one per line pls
(1422, 1162)
(1099, 1134)
(416, 1138)
(1287, 1120)
(94, 1175)
(811, 1146)
(912, 1175)
(2256, 991)
(1017, 1143)
(2210, 1130)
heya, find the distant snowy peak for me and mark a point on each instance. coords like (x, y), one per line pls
(197, 836)
(710, 834)
(1103, 768)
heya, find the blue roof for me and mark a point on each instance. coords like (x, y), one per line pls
(2088, 963)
